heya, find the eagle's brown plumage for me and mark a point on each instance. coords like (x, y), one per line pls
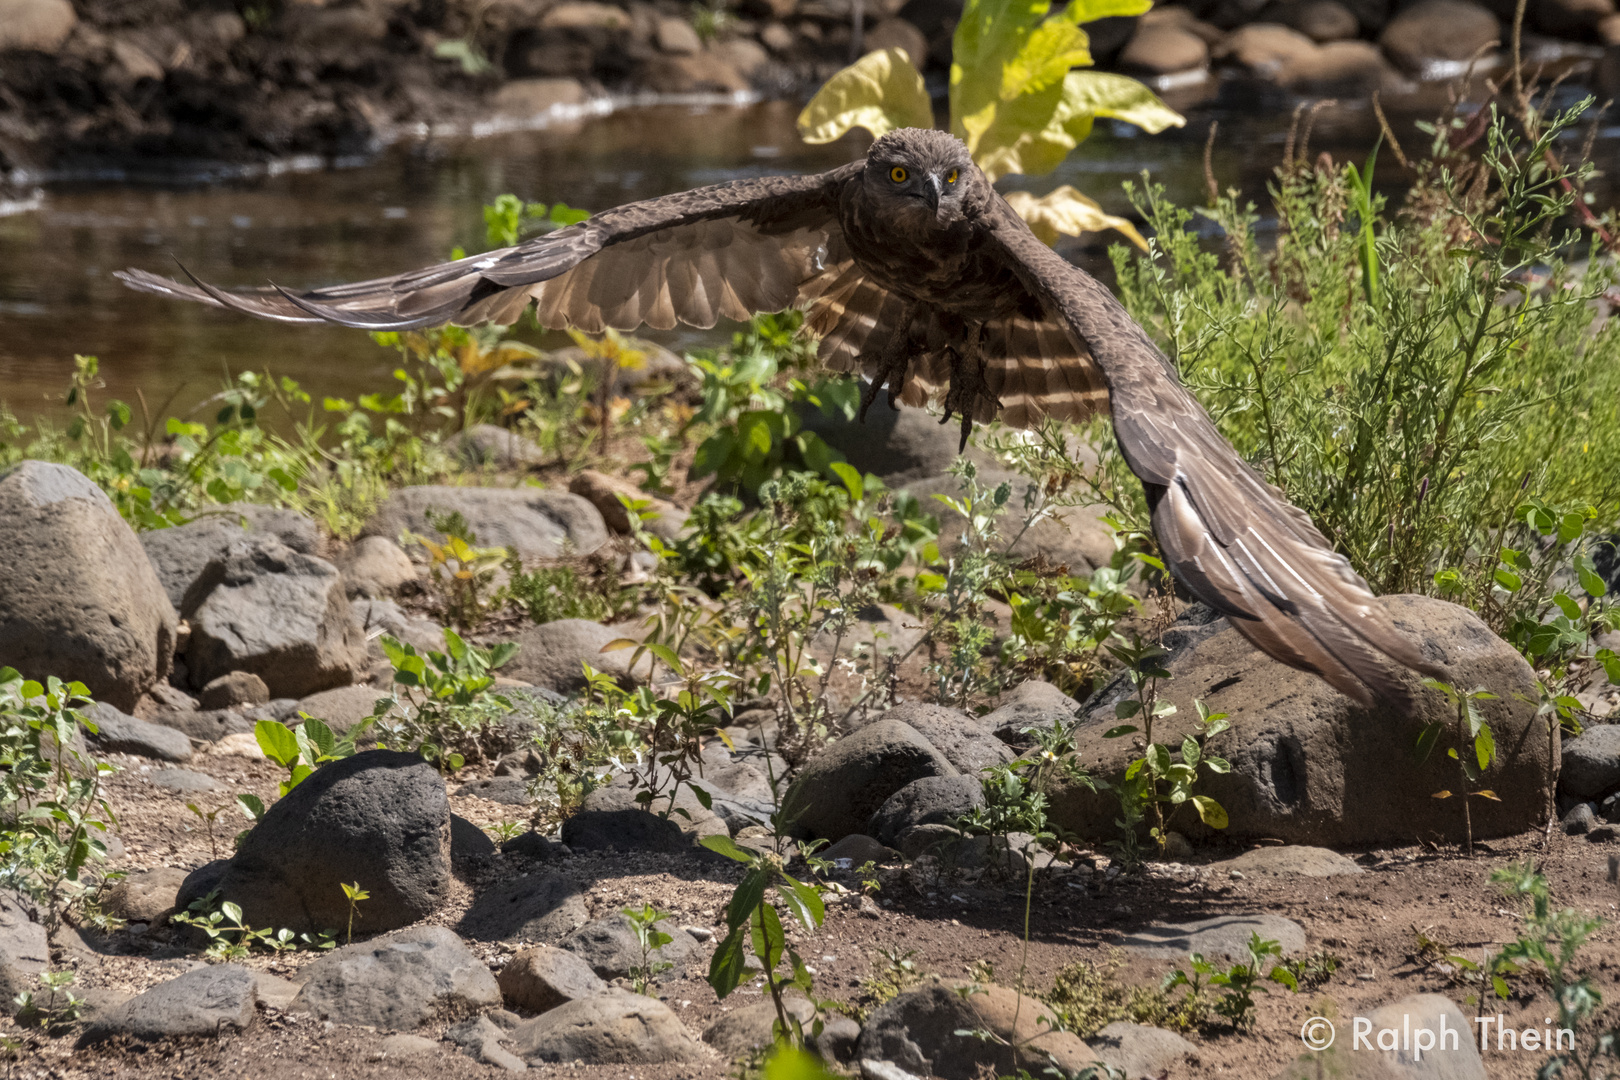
(914, 271)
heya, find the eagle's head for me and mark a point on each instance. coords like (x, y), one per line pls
(923, 177)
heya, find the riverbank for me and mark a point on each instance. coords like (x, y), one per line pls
(184, 87)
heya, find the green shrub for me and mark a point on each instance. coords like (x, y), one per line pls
(53, 814)
(1399, 376)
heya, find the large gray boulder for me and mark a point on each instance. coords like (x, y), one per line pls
(1437, 37)
(1309, 766)
(1591, 763)
(552, 655)
(616, 1028)
(201, 1003)
(118, 732)
(397, 982)
(380, 818)
(78, 599)
(843, 786)
(264, 608)
(1075, 536)
(898, 446)
(927, 1032)
(486, 445)
(535, 523)
(1216, 937)
(933, 800)
(534, 907)
(37, 25)
(1034, 704)
(742, 1031)
(146, 895)
(610, 947)
(181, 554)
(376, 566)
(959, 737)
(1457, 1059)
(24, 950)
(542, 978)
(1140, 1051)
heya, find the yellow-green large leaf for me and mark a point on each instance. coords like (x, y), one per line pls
(1102, 94)
(879, 92)
(1030, 134)
(1068, 212)
(1035, 132)
(1014, 101)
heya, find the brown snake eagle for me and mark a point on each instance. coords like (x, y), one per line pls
(912, 270)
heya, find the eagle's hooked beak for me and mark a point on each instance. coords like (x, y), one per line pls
(931, 193)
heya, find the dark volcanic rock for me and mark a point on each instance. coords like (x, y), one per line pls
(380, 818)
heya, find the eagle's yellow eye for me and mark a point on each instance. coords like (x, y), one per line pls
(898, 174)
(950, 177)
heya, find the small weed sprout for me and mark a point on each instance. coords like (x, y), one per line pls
(444, 707)
(208, 818)
(1155, 780)
(752, 923)
(1239, 983)
(1474, 752)
(230, 938)
(1550, 941)
(893, 973)
(644, 924)
(354, 894)
(59, 1008)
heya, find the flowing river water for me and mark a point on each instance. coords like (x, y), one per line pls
(413, 202)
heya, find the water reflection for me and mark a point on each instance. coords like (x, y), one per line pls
(414, 203)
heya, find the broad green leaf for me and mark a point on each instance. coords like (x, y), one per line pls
(804, 902)
(769, 939)
(1485, 747)
(300, 773)
(1426, 740)
(1034, 132)
(667, 655)
(1070, 213)
(1567, 605)
(1051, 50)
(453, 643)
(1099, 93)
(252, 806)
(277, 741)
(880, 92)
(851, 476)
(1586, 572)
(1125, 709)
(749, 895)
(1122, 729)
(729, 964)
(790, 1063)
(320, 737)
(1210, 812)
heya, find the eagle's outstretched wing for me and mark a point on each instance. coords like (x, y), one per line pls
(762, 245)
(1230, 537)
(729, 250)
